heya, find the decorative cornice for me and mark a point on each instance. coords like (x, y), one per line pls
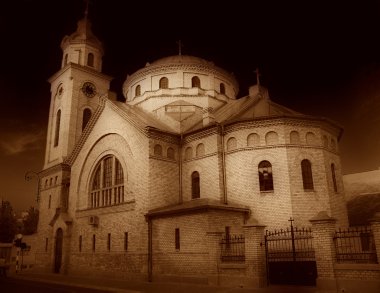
(80, 68)
(86, 132)
(154, 133)
(54, 169)
(199, 134)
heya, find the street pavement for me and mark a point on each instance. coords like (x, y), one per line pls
(88, 284)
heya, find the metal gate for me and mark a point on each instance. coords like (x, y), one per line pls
(290, 256)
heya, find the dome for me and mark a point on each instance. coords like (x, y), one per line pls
(185, 59)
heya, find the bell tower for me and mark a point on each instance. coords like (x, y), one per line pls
(76, 90)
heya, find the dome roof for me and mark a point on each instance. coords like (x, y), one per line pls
(185, 59)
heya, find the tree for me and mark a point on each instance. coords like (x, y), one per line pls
(31, 221)
(8, 226)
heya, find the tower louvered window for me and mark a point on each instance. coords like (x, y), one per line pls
(107, 186)
(164, 83)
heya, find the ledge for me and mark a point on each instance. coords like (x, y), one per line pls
(232, 265)
(129, 205)
(357, 266)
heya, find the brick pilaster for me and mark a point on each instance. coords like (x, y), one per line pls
(323, 232)
(255, 255)
(213, 240)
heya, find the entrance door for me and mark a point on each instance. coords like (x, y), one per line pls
(58, 250)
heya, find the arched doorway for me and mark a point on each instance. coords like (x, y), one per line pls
(58, 250)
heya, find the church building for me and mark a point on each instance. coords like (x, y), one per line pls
(146, 188)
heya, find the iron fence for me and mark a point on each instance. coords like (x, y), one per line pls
(232, 248)
(355, 245)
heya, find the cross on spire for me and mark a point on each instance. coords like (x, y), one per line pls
(257, 76)
(86, 9)
(180, 45)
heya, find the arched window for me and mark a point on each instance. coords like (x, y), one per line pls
(294, 137)
(164, 83)
(158, 150)
(253, 139)
(195, 82)
(138, 91)
(311, 138)
(325, 141)
(334, 177)
(195, 185)
(231, 144)
(222, 88)
(90, 59)
(170, 153)
(57, 127)
(200, 151)
(107, 185)
(307, 175)
(66, 59)
(265, 176)
(188, 153)
(86, 117)
(271, 138)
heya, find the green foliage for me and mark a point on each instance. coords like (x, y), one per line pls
(8, 226)
(31, 221)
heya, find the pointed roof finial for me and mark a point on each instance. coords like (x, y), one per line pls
(180, 45)
(86, 10)
(257, 76)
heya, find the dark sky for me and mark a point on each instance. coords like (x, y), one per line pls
(316, 57)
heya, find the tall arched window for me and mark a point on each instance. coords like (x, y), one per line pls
(195, 82)
(334, 177)
(164, 83)
(57, 127)
(107, 185)
(90, 59)
(307, 175)
(222, 88)
(195, 185)
(265, 176)
(138, 91)
(86, 117)
(66, 59)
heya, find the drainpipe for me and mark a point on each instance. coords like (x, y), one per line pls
(150, 248)
(223, 167)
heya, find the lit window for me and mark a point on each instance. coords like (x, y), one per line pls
(109, 242)
(138, 91)
(307, 175)
(80, 243)
(93, 242)
(265, 176)
(107, 185)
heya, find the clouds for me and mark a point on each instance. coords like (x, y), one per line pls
(15, 142)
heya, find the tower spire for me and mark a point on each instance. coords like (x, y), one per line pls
(180, 45)
(257, 76)
(86, 9)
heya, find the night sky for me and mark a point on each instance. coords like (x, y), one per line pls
(316, 57)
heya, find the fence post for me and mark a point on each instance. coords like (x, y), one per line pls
(213, 241)
(255, 254)
(323, 231)
(375, 227)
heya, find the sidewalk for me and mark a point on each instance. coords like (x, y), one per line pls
(128, 286)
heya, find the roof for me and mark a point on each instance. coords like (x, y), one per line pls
(186, 59)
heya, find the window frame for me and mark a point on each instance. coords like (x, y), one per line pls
(266, 183)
